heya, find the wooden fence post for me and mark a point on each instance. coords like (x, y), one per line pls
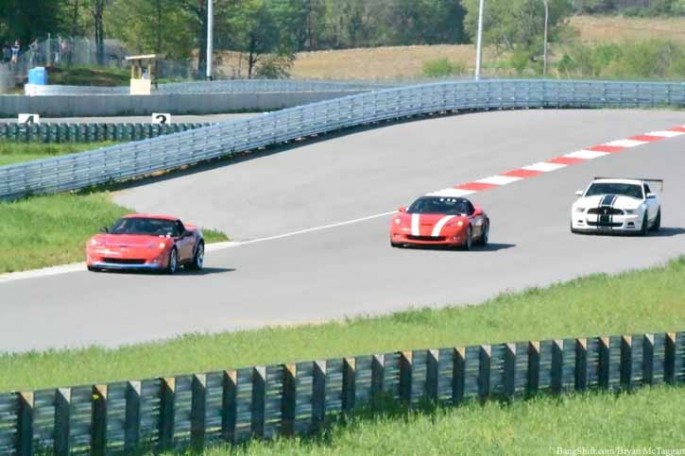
(581, 364)
(509, 372)
(348, 385)
(198, 410)
(228, 405)
(319, 395)
(132, 417)
(648, 359)
(62, 421)
(25, 423)
(289, 400)
(432, 363)
(533, 380)
(98, 429)
(484, 362)
(406, 359)
(167, 404)
(458, 375)
(557, 372)
(626, 362)
(258, 400)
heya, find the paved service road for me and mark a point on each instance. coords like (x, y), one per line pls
(350, 269)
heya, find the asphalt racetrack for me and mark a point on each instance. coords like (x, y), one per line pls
(311, 230)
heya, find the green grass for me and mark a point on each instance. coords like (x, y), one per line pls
(51, 230)
(90, 76)
(649, 418)
(17, 152)
(651, 300)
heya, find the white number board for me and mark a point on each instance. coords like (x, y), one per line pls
(161, 118)
(28, 119)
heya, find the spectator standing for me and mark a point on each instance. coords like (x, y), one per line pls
(16, 47)
(33, 47)
(6, 53)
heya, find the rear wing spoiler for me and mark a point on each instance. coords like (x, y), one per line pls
(644, 179)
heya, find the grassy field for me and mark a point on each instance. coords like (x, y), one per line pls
(650, 418)
(17, 152)
(93, 76)
(49, 230)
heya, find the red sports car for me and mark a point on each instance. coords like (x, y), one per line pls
(146, 242)
(440, 220)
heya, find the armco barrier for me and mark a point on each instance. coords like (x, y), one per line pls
(141, 158)
(89, 132)
(299, 398)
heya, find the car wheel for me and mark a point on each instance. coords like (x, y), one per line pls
(657, 222)
(172, 267)
(484, 236)
(468, 242)
(93, 269)
(395, 245)
(645, 225)
(198, 258)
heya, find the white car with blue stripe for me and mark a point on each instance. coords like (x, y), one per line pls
(618, 205)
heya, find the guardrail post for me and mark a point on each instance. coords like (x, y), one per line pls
(198, 410)
(377, 374)
(62, 421)
(167, 404)
(406, 376)
(484, 362)
(132, 417)
(509, 373)
(557, 372)
(319, 395)
(25, 423)
(669, 358)
(432, 361)
(258, 398)
(604, 362)
(626, 362)
(533, 380)
(458, 375)
(348, 385)
(648, 359)
(228, 405)
(289, 401)
(98, 429)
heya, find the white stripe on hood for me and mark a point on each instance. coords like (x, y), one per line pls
(442, 222)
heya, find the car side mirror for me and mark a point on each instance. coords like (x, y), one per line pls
(477, 210)
(402, 209)
(104, 229)
(651, 196)
(579, 193)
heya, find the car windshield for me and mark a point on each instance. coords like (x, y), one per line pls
(615, 188)
(140, 225)
(440, 205)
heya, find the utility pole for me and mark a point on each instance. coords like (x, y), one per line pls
(210, 37)
(479, 43)
(544, 55)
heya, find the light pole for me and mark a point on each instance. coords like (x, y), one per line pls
(479, 41)
(544, 55)
(210, 37)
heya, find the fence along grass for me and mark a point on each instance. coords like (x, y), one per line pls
(300, 398)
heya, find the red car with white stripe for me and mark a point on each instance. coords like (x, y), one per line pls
(440, 220)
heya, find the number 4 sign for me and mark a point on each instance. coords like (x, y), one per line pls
(28, 119)
(161, 118)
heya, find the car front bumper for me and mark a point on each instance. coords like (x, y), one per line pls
(626, 223)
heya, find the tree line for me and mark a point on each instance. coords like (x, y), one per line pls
(270, 32)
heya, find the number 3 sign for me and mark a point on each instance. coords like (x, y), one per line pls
(161, 118)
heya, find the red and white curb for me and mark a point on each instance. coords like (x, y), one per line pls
(560, 162)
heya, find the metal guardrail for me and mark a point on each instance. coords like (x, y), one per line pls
(301, 398)
(90, 132)
(141, 158)
(227, 86)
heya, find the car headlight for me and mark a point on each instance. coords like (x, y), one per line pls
(398, 221)
(580, 209)
(458, 223)
(152, 245)
(94, 242)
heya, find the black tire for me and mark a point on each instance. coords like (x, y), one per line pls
(644, 229)
(395, 245)
(198, 257)
(172, 267)
(484, 236)
(657, 222)
(468, 242)
(93, 269)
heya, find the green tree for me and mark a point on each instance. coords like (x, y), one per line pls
(27, 20)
